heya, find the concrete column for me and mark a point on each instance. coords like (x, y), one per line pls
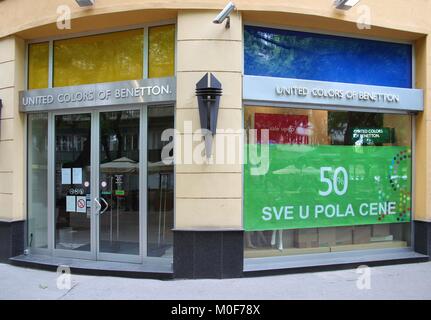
(12, 153)
(422, 199)
(208, 204)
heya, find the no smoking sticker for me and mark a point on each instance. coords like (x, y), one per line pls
(81, 204)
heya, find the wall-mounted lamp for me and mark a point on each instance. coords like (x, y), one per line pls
(345, 4)
(208, 91)
(225, 14)
(85, 3)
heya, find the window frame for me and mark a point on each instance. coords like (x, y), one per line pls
(248, 103)
(145, 29)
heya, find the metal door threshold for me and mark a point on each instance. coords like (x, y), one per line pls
(151, 269)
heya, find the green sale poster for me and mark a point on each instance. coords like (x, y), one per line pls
(308, 186)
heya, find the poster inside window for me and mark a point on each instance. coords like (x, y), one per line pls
(321, 181)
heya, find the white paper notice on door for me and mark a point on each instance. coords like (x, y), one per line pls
(81, 204)
(77, 175)
(66, 177)
(70, 203)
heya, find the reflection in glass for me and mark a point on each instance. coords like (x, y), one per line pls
(160, 184)
(308, 134)
(119, 182)
(161, 51)
(109, 57)
(303, 55)
(72, 182)
(37, 180)
(38, 65)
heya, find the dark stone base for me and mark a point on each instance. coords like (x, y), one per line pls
(208, 254)
(422, 237)
(11, 239)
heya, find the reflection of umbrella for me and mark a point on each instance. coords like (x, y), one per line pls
(122, 165)
(160, 165)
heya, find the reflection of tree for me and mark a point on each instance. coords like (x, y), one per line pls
(291, 54)
(116, 125)
(76, 126)
(161, 51)
(100, 58)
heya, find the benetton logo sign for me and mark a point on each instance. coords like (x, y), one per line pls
(337, 94)
(116, 93)
(296, 91)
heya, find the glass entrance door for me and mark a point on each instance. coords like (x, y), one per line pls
(114, 188)
(119, 192)
(97, 185)
(72, 208)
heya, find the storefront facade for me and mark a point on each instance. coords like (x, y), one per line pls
(313, 152)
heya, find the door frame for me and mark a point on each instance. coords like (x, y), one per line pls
(94, 253)
(104, 256)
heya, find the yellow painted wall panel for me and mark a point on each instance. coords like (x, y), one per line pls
(38, 65)
(7, 49)
(6, 130)
(6, 207)
(226, 154)
(228, 119)
(7, 74)
(412, 15)
(205, 168)
(8, 99)
(6, 183)
(422, 201)
(422, 195)
(206, 185)
(209, 48)
(7, 155)
(207, 30)
(423, 176)
(208, 213)
(110, 57)
(213, 55)
(19, 168)
(161, 51)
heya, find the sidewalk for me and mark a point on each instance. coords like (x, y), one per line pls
(412, 281)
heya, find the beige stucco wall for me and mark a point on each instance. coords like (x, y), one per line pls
(402, 15)
(12, 154)
(207, 195)
(422, 204)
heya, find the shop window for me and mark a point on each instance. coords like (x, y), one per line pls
(160, 184)
(100, 58)
(303, 55)
(320, 181)
(37, 180)
(38, 65)
(161, 53)
(109, 57)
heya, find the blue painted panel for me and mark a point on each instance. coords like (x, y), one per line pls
(303, 55)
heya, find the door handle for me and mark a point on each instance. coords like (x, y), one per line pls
(106, 206)
(98, 204)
